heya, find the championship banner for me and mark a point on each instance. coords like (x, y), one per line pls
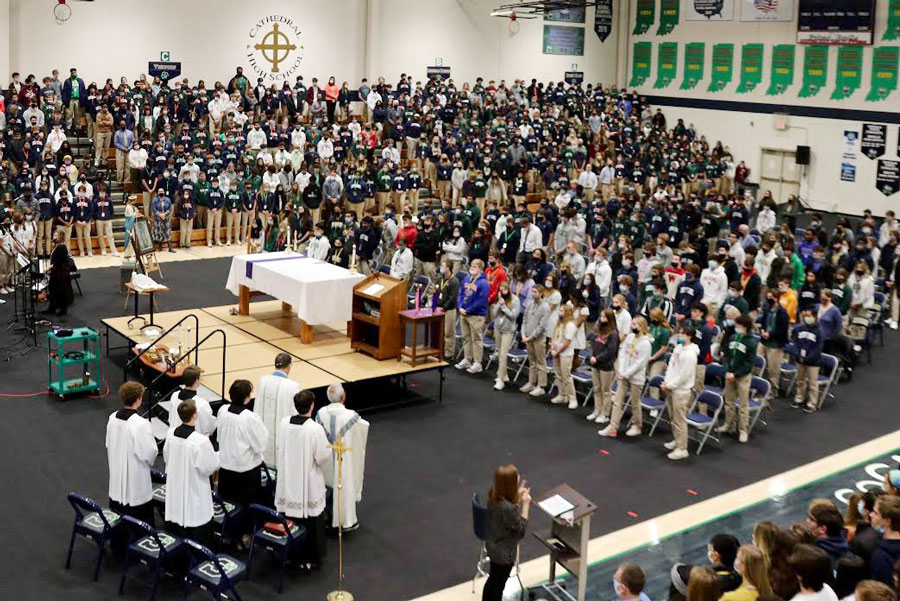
(884, 72)
(849, 72)
(892, 31)
(767, 11)
(603, 19)
(668, 16)
(722, 61)
(709, 10)
(640, 63)
(815, 70)
(694, 54)
(887, 178)
(645, 16)
(848, 156)
(666, 65)
(874, 140)
(751, 67)
(782, 69)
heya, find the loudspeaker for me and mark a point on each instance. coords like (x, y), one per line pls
(802, 157)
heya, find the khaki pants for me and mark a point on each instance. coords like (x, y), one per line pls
(399, 199)
(774, 358)
(381, 200)
(185, 228)
(737, 391)
(537, 361)
(101, 145)
(606, 190)
(699, 377)
(807, 375)
(67, 233)
(449, 330)
(83, 233)
(121, 171)
(444, 189)
(472, 327)
(619, 404)
(429, 270)
(7, 267)
(589, 194)
(504, 342)
(200, 217)
(145, 202)
(232, 225)
(678, 403)
(562, 371)
(105, 232)
(245, 225)
(413, 196)
(365, 268)
(214, 227)
(602, 390)
(44, 237)
(657, 368)
(73, 113)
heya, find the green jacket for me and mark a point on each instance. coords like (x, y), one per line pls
(739, 354)
(797, 277)
(660, 337)
(738, 303)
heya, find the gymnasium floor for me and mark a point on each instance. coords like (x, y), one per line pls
(423, 463)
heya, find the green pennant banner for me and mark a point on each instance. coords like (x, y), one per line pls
(693, 65)
(884, 72)
(782, 69)
(640, 63)
(668, 16)
(849, 72)
(892, 31)
(645, 16)
(751, 67)
(722, 70)
(666, 65)
(815, 70)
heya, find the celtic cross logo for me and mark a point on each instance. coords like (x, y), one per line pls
(275, 47)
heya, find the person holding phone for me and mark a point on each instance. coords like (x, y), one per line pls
(509, 502)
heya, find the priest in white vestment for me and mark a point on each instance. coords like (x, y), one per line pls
(131, 451)
(190, 462)
(206, 420)
(300, 488)
(275, 400)
(354, 433)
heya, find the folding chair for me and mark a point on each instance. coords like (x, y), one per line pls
(224, 515)
(705, 424)
(479, 525)
(275, 533)
(758, 401)
(878, 313)
(377, 257)
(93, 523)
(516, 359)
(419, 282)
(714, 381)
(650, 404)
(759, 365)
(489, 344)
(582, 376)
(158, 480)
(268, 477)
(214, 573)
(149, 547)
(860, 332)
(789, 370)
(829, 373)
(385, 269)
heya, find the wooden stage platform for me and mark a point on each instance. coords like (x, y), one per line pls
(254, 340)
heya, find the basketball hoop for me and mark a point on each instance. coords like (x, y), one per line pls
(513, 24)
(62, 12)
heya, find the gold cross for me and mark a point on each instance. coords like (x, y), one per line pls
(339, 447)
(275, 47)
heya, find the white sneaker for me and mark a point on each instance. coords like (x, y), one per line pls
(724, 429)
(678, 454)
(464, 364)
(498, 385)
(4, 291)
(228, 243)
(209, 245)
(591, 416)
(742, 437)
(115, 253)
(573, 403)
(602, 419)
(671, 445)
(633, 431)
(608, 432)
(475, 368)
(526, 388)
(893, 325)
(558, 400)
(536, 392)
(102, 253)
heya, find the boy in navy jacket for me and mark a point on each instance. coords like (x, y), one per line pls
(808, 341)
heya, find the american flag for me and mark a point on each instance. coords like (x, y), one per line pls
(765, 5)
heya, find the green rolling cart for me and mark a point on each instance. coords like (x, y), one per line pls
(73, 362)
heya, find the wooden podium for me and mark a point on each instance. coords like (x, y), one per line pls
(375, 323)
(567, 539)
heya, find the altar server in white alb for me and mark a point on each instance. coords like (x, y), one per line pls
(300, 489)
(131, 451)
(275, 400)
(190, 380)
(190, 462)
(354, 433)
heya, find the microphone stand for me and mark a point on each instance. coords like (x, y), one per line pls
(31, 269)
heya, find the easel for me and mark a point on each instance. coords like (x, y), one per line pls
(145, 260)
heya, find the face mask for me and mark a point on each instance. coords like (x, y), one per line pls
(586, 281)
(713, 264)
(634, 330)
(740, 331)
(860, 272)
(626, 264)
(809, 320)
(548, 284)
(318, 234)
(473, 273)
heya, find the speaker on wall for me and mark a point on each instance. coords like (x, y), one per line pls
(802, 155)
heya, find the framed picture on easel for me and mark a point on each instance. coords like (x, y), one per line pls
(143, 243)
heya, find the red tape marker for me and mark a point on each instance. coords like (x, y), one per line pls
(691, 491)
(632, 514)
(603, 451)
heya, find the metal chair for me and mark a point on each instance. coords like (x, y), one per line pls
(516, 359)
(158, 479)
(829, 373)
(280, 543)
(714, 381)
(419, 282)
(214, 573)
(94, 523)
(386, 269)
(650, 404)
(705, 424)
(479, 525)
(758, 401)
(149, 547)
(759, 365)
(224, 515)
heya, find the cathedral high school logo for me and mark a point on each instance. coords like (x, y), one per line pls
(274, 51)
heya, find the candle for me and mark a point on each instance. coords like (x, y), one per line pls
(434, 301)
(418, 298)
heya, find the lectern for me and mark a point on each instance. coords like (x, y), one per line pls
(375, 322)
(567, 539)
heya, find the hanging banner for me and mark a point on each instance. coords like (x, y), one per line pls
(640, 63)
(603, 19)
(751, 67)
(849, 72)
(848, 156)
(767, 11)
(645, 16)
(782, 69)
(693, 64)
(667, 65)
(874, 140)
(815, 70)
(709, 10)
(668, 16)
(722, 61)
(887, 178)
(892, 31)
(884, 72)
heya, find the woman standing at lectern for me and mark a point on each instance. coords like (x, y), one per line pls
(509, 501)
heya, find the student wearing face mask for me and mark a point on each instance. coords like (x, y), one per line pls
(562, 350)
(773, 330)
(534, 335)
(658, 300)
(448, 294)
(472, 305)
(319, 247)
(808, 342)
(787, 298)
(454, 248)
(715, 285)
(734, 299)
(633, 358)
(660, 335)
(504, 312)
(862, 285)
(604, 350)
(678, 384)
(619, 307)
(738, 365)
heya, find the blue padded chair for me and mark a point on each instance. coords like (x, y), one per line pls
(759, 365)
(880, 313)
(705, 424)
(479, 525)
(829, 374)
(378, 257)
(582, 376)
(94, 523)
(758, 401)
(158, 479)
(489, 344)
(149, 547)
(516, 359)
(422, 282)
(224, 515)
(714, 380)
(385, 269)
(789, 370)
(214, 573)
(279, 544)
(650, 404)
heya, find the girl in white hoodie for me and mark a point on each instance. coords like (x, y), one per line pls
(678, 383)
(634, 355)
